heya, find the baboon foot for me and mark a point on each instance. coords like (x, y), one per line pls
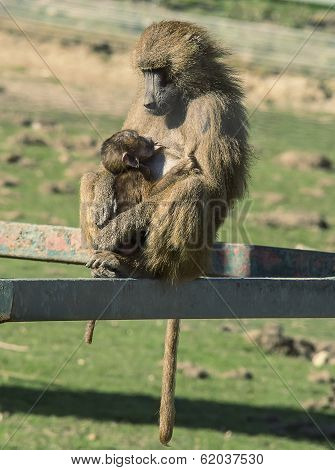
(103, 259)
(104, 273)
(108, 265)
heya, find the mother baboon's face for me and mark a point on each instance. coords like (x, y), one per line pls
(161, 95)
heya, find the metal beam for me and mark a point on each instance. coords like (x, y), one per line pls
(63, 245)
(41, 242)
(123, 299)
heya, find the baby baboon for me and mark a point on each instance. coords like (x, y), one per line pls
(187, 97)
(122, 155)
(121, 183)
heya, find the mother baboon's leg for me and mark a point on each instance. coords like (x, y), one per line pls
(179, 238)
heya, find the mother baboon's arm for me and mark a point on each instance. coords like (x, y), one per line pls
(139, 218)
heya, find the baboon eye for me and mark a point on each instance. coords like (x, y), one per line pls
(160, 75)
(164, 77)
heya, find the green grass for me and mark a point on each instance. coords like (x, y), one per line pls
(107, 395)
(273, 133)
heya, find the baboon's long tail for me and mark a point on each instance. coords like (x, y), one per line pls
(90, 325)
(167, 408)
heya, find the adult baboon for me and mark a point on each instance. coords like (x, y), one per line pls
(190, 101)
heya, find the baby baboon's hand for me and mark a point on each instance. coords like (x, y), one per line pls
(187, 164)
(124, 227)
(104, 212)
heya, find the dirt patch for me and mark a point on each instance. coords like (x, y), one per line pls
(326, 182)
(37, 125)
(15, 159)
(305, 160)
(99, 82)
(271, 339)
(64, 158)
(241, 374)
(57, 187)
(11, 215)
(9, 182)
(192, 371)
(31, 139)
(295, 92)
(320, 377)
(81, 142)
(50, 219)
(326, 402)
(229, 328)
(271, 198)
(292, 220)
(99, 76)
(313, 192)
(76, 170)
(102, 47)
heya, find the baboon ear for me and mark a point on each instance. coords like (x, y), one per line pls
(130, 160)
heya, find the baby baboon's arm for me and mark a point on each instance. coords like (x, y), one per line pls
(104, 202)
(139, 218)
(131, 221)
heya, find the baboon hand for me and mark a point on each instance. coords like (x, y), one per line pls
(121, 230)
(103, 259)
(109, 238)
(191, 164)
(104, 212)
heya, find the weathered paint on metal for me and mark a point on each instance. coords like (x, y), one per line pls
(41, 242)
(6, 300)
(85, 299)
(268, 261)
(63, 244)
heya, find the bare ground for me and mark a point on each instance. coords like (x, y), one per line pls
(59, 74)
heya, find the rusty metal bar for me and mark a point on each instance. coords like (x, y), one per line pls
(63, 244)
(85, 299)
(41, 242)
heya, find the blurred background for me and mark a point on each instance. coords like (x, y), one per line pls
(65, 84)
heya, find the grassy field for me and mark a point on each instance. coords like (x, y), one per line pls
(289, 13)
(292, 13)
(107, 395)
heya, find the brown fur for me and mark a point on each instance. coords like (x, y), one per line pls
(117, 187)
(114, 188)
(211, 120)
(167, 410)
(214, 125)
